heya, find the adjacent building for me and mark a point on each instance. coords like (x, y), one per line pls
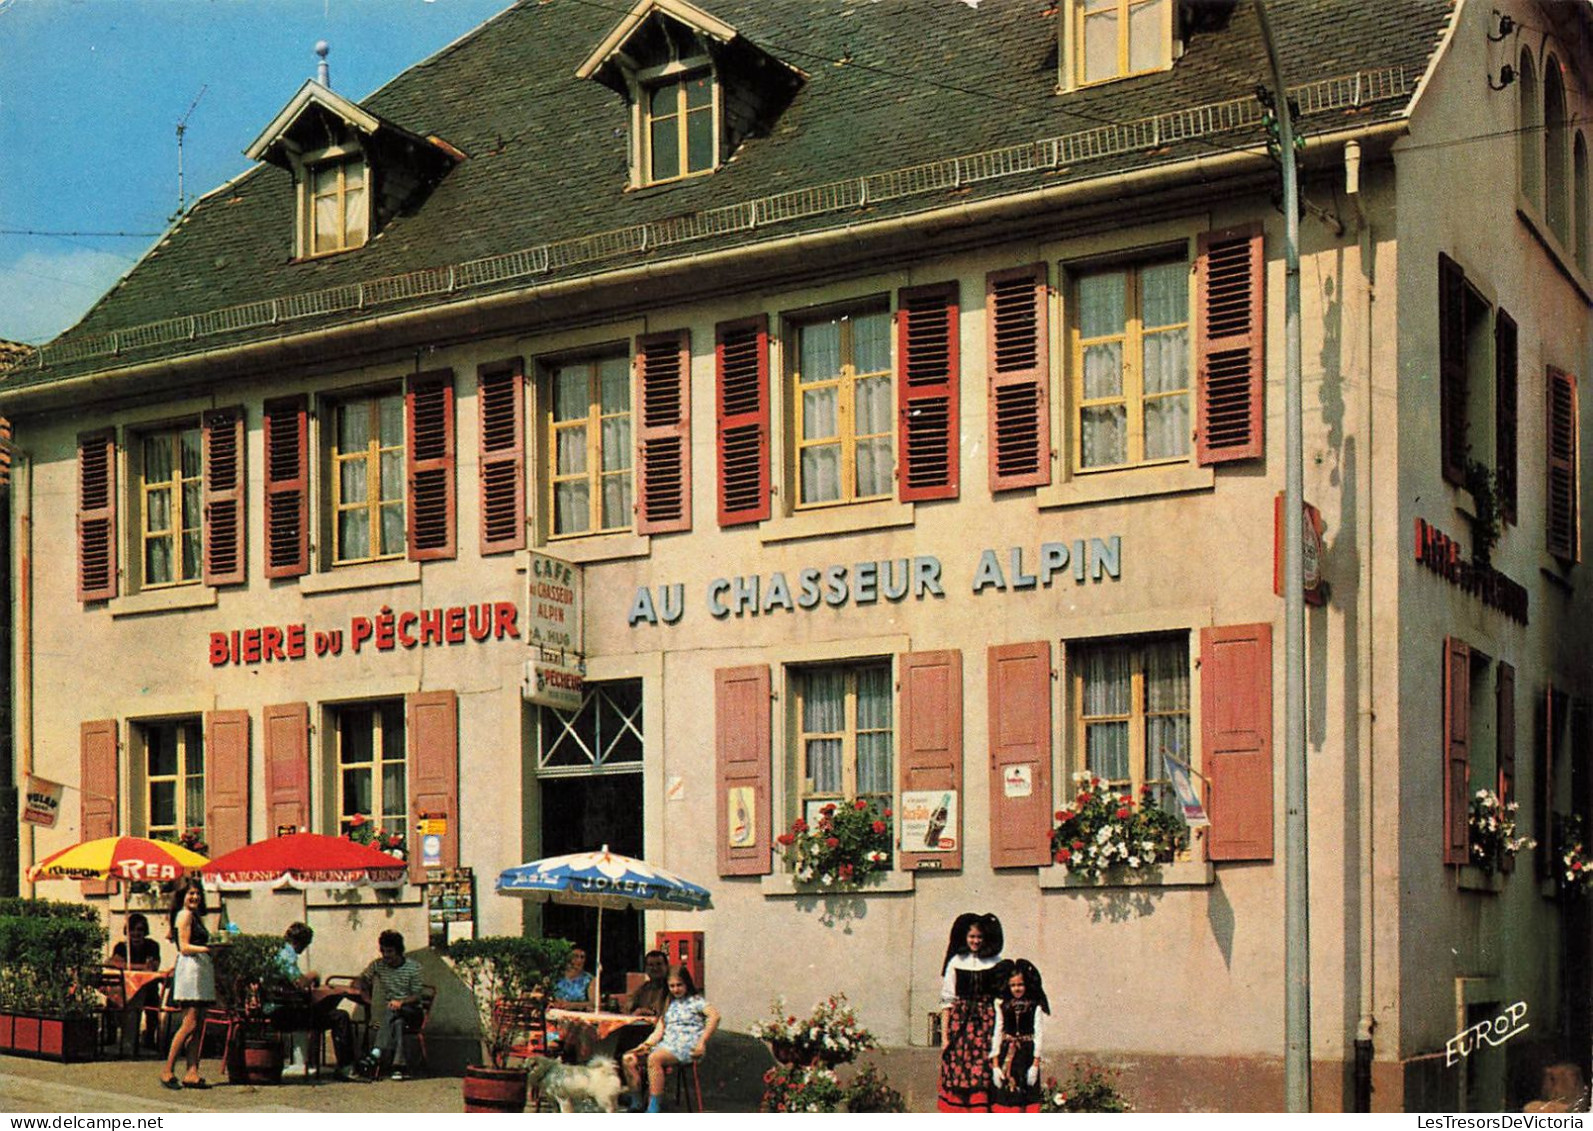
(875, 402)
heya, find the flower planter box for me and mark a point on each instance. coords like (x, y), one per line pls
(49, 1038)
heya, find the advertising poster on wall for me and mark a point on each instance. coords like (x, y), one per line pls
(929, 820)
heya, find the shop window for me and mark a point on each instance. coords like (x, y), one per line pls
(681, 136)
(170, 767)
(606, 733)
(589, 446)
(372, 766)
(1114, 39)
(336, 205)
(368, 478)
(845, 734)
(843, 419)
(1131, 706)
(170, 511)
(1131, 390)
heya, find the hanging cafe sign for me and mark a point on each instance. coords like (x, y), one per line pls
(865, 583)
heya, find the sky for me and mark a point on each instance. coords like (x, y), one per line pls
(92, 91)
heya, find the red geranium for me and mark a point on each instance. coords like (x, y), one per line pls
(860, 805)
(832, 842)
(1122, 814)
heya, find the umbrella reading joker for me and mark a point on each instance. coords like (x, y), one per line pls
(602, 880)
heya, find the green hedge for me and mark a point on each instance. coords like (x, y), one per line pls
(49, 956)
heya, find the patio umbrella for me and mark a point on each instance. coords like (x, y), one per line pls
(126, 858)
(602, 880)
(305, 860)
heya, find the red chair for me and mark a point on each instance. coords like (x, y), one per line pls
(683, 1095)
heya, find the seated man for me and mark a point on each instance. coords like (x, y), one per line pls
(303, 1015)
(393, 984)
(648, 1000)
(138, 952)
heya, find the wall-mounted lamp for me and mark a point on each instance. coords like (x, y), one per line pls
(1506, 26)
(1507, 75)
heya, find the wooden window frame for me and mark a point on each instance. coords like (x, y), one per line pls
(341, 160)
(184, 730)
(372, 504)
(1138, 716)
(845, 383)
(803, 795)
(172, 433)
(1133, 398)
(379, 711)
(1076, 24)
(680, 81)
(593, 423)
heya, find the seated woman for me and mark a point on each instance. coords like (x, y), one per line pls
(576, 989)
(680, 1037)
(138, 951)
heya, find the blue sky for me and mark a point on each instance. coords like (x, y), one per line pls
(91, 92)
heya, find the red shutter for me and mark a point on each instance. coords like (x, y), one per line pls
(1230, 355)
(1020, 755)
(287, 765)
(1505, 443)
(429, 414)
(663, 439)
(1457, 750)
(931, 745)
(741, 362)
(927, 357)
(1019, 346)
(287, 487)
(500, 399)
(742, 752)
(98, 784)
(226, 780)
(1452, 369)
(1505, 716)
(434, 771)
(1236, 738)
(224, 480)
(96, 516)
(1563, 522)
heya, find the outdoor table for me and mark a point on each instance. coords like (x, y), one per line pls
(139, 985)
(606, 1024)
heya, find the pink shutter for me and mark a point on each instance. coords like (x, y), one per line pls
(741, 362)
(287, 487)
(927, 359)
(1505, 716)
(1563, 520)
(1236, 738)
(1230, 360)
(434, 771)
(931, 746)
(99, 786)
(1452, 369)
(1020, 755)
(742, 753)
(663, 435)
(1505, 361)
(224, 481)
(287, 765)
(1457, 750)
(96, 516)
(500, 400)
(1018, 342)
(429, 414)
(226, 780)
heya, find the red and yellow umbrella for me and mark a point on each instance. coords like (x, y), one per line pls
(118, 858)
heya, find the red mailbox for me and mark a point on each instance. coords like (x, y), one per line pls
(683, 948)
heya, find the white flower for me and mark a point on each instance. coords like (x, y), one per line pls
(1133, 861)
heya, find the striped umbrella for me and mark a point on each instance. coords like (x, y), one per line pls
(118, 858)
(602, 879)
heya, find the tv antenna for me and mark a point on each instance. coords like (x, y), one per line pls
(182, 128)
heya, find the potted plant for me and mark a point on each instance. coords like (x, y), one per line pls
(50, 953)
(1492, 827)
(251, 981)
(1102, 830)
(509, 978)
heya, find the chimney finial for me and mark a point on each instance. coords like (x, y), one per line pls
(323, 75)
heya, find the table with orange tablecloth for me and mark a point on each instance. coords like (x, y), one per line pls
(139, 989)
(606, 1024)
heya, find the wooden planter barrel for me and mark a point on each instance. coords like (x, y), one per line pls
(494, 1089)
(259, 1061)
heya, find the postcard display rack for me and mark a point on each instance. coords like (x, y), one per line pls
(450, 903)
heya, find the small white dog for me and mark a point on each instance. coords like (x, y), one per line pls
(593, 1086)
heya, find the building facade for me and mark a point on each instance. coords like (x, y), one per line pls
(911, 435)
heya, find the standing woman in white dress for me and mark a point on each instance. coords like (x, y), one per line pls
(193, 982)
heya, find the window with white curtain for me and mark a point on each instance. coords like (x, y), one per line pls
(844, 417)
(372, 765)
(171, 463)
(338, 207)
(1131, 365)
(1113, 39)
(1130, 707)
(845, 732)
(172, 790)
(368, 478)
(589, 446)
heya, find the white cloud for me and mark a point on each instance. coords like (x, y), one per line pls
(43, 293)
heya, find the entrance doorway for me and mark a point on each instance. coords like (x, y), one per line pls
(589, 768)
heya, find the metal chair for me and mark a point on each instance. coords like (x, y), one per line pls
(111, 982)
(683, 1095)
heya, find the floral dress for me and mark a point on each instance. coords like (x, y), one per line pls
(685, 1021)
(968, 991)
(1015, 1046)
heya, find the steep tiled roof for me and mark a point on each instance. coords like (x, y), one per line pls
(896, 90)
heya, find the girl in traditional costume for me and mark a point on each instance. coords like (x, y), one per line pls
(967, 994)
(1016, 1044)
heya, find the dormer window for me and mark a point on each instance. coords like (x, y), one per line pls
(1114, 39)
(337, 208)
(681, 133)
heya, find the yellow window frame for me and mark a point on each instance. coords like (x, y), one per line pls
(186, 736)
(182, 524)
(339, 240)
(390, 814)
(594, 474)
(681, 116)
(846, 436)
(371, 502)
(850, 734)
(1138, 715)
(1122, 10)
